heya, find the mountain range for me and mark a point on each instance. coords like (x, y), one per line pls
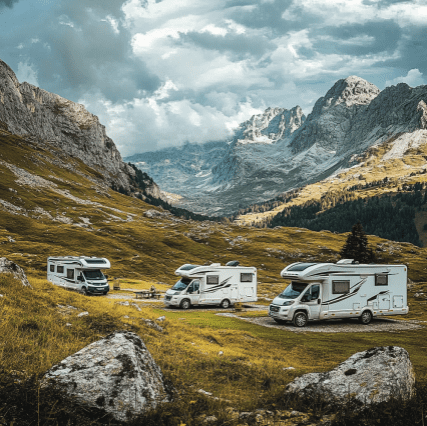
(280, 150)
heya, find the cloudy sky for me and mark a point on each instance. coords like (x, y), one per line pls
(162, 72)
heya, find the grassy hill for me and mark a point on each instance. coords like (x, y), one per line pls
(53, 204)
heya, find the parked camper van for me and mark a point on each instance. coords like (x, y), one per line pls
(82, 273)
(340, 290)
(213, 285)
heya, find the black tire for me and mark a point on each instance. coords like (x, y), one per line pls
(365, 318)
(185, 304)
(280, 321)
(84, 291)
(300, 319)
(225, 304)
(105, 293)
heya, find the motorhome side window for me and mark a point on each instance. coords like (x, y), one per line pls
(52, 268)
(70, 274)
(212, 279)
(381, 279)
(340, 287)
(60, 269)
(246, 278)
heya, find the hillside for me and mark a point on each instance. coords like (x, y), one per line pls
(396, 168)
(50, 204)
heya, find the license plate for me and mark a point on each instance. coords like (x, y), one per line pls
(100, 289)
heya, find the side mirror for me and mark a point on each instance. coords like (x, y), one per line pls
(106, 277)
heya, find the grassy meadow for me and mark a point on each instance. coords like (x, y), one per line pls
(51, 204)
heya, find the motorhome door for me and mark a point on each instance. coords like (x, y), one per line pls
(313, 299)
(193, 292)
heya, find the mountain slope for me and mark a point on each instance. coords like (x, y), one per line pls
(29, 111)
(352, 117)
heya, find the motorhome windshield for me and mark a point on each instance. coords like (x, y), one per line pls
(94, 275)
(181, 284)
(293, 290)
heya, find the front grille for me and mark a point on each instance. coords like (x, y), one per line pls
(274, 308)
(168, 297)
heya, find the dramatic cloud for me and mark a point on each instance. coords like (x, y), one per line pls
(7, 3)
(162, 72)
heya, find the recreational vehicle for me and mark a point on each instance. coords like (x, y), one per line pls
(82, 273)
(340, 290)
(213, 285)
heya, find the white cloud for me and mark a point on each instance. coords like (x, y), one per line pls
(27, 72)
(414, 78)
(167, 123)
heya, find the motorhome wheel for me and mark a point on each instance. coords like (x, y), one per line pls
(84, 291)
(279, 321)
(225, 304)
(365, 318)
(185, 304)
(300, 319)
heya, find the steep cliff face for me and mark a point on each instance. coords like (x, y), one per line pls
(27, 110)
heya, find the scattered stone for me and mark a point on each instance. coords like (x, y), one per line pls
(288, 368)
(152, 324)
(136, 306)
(220, 353)
(116, 374)
(162, 318)
(371, 376)
(126, 316)
(204, 392)
(11, 240)
(83, 314)
(1, 295)
(156, 214)
(126, 303)
(68, 324)
(210, 419)
(9, 267)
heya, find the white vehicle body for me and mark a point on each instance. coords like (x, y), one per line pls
(82, 273)
(213, 285)
(341, 290)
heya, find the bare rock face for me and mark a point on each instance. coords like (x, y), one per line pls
(9, 267)
(117, 374)
(27, 110)
(371, 376)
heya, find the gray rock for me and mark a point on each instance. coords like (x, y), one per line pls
(9, 267)
(116, 374)
(371, 376)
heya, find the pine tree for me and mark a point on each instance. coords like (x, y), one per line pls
(356, 246)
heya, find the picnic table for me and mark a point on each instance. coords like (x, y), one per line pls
(147, 294)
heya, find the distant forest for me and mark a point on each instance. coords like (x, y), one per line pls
(388, 216)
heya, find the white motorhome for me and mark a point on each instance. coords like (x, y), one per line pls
(81, 273)
(213, 285)
(340, 290)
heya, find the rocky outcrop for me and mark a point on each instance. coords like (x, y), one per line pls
(9, 267)
(29, 111)
(372, 376)
(117, 374)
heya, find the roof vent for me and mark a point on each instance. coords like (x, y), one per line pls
(345, 261)
(215, 264)
(233, 263)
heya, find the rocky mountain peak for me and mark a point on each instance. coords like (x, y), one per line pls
(350, 91)
(270, 126)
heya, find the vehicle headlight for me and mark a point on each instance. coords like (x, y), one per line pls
(288, 303)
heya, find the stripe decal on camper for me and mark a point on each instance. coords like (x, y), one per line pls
(353, 291)
(221, 285)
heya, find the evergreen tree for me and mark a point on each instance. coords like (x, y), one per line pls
(356, 246)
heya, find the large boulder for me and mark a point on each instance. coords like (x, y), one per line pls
(9, 267)
(116, 374)
(372, 376)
